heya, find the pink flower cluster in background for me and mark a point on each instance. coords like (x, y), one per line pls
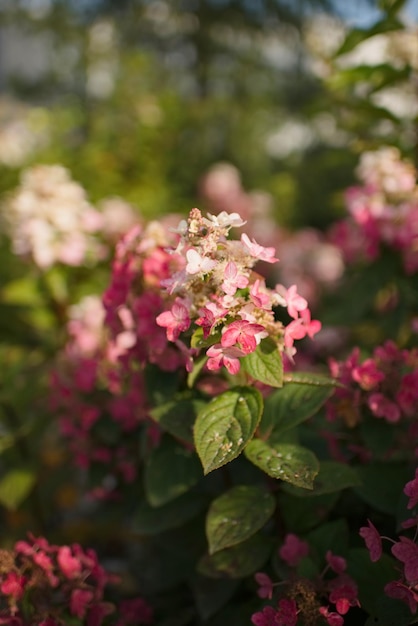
(328, 596)
(383, 211)
(384, 386)
(47, 585)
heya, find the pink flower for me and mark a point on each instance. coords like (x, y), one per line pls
(367, 375)
(175, 321)
(218, 356)
(69, 565)
(243, 333)
(266, 617)
(373, 541)
(406, 551)
(411, 490)
(265, 589)
(312, 326)
(233, 280)
(333, 619)
(383, 407)
(197, 264)
(294, 301)
(293, 549)
(399, 591)
(13, 585)
(287, 614)
(80, 601)
(337, 563)
(210, 315)
(259, 297)
(293, 331)
(343, 593)
(258, 252)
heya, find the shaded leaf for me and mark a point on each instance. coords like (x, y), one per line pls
(332, 477)
(225, 425)
(237, 561)
(178, 416)
(382, 485)
(211, 594)
(291, 463)
(149, 520)
(171, 470)
(236, 515)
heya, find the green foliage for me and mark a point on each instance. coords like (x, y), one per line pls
(15, 487)
(225, 426)
(265, 363)
(291, 463)
(236, 515)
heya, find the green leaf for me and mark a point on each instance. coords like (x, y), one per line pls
(237, 561)
(178, 416)
(332, 535)
(294, 403)
(224, 427)
(15, 487)
(291, 463)
(198, 341)
(236, 515)
(382, 485)
(212, 594)
(149, 520)
(356, 36)
(265, 363)
(371, 577)
(301, 514)
(332, 477)
(171, 470)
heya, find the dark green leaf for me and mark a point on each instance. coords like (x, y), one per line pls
(171, 470)
(294, 403)
(382, 485)
(357, 35)
(225, 425)
(265, 363)
(371, 577)
(211, 594)
(149, 520)
(237, 561)
(178, 416)
(293, 464)
(236, 515)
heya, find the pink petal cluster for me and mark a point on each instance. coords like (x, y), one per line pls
(55, 584)
(383, 211)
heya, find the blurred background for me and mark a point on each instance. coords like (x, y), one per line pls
(142, 98)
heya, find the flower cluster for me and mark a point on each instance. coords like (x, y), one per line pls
(405, 551)
(47, 585)
(383, 211)
(216, 290)
(383, 386)
(306, 599)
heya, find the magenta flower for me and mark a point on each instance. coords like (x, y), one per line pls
(411, 490)
(13, 585)
(259, 297)
(343, 593)
(175, 321)
(406, 551)
(265, 589)
(257, 251)
(373, 541)
(337, 563)
(266, 617)
(293, 549)
(381, 406)
(333, 619)
(399, 591)
(287, 614)
(367, 375)
(243, 333)
(210, 315)
(69, 565)
(80, 601)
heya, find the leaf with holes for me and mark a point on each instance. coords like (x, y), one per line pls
(291, 463)
(236, 515)
(225, 426)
